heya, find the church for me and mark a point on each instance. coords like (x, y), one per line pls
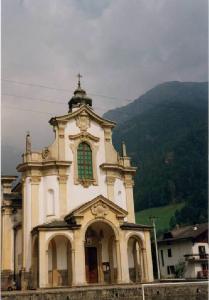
(70, 219)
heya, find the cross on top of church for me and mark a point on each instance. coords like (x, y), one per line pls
(79, 79)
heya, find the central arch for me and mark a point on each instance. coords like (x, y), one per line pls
(101, 261)
(59, 262)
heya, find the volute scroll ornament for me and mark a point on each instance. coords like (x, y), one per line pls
(100, 210)
(45, 153)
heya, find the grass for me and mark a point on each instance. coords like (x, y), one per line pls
(163, 215)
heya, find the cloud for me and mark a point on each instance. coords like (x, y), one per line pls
(122, 48)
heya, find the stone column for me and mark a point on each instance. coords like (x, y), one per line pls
(118, 257)
(129, 198)
(100, 273)
(124, 260)
(73, 266)
(79, 263)
(144, 259)
(43, 261)
(7, 251)
(7, 240)
(63, 194)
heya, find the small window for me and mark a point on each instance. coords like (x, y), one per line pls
(162, 257)
(169, 252)
(84, 161)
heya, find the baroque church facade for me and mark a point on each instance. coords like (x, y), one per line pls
(70, 220)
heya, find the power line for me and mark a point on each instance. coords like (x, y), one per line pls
(31, 98)
(44, 100)
(60, 89)
(24, 109)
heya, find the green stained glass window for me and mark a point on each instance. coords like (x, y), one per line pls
(84, 160)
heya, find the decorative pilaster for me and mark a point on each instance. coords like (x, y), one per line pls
(129, 183)
(63, 194)
(110, 187)
(35, 181)
(61, 141)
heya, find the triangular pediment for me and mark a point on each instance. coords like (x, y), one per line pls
(83, 109)
(99, 206)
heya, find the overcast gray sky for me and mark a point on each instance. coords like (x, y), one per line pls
(121, 47)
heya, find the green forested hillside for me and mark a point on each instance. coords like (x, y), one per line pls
(168, 143)
(163, 215)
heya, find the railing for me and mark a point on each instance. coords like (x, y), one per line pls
(196, 257)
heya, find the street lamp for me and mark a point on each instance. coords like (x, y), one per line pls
(156, 248)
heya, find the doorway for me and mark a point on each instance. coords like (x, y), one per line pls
(91, 265)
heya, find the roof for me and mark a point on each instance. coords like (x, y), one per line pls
(133, 226)
(89, 111)
(79, 210)
(185, 232)
(55, 224)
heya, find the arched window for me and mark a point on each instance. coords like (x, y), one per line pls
(84, 156)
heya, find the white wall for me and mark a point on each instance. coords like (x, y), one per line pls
(120, 193)
(179, 249)
(77, 194)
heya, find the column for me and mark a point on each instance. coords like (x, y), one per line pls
(43, 261)
(7, 240)
(79, 263)
(124, 259)
(118, 256)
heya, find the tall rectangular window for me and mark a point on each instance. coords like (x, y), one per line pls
(84, 161)
(169, 252)
(162, 257)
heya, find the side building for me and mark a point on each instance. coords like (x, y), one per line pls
(70, 221)
(185, 250)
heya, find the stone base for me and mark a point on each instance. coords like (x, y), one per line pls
(160, 291)
(7, 280)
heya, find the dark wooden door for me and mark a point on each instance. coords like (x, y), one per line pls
(91, 265)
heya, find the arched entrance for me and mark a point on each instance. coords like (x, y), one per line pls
(100, 254)
(135, 259)
(59, 262)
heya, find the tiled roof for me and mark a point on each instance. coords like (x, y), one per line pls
(186, 232)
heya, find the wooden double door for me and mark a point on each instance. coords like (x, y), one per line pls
(91, 262)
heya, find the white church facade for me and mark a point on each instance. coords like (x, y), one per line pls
(70, 221)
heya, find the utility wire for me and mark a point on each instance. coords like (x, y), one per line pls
(25, 109)
(44, 100)
(31, 98)
(60, 89)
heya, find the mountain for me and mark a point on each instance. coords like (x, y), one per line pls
(185, 92)
(165, 131)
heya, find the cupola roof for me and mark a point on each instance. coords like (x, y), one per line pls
(80, 97)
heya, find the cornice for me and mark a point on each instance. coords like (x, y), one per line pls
(43, 165)
(103, 122)
(119, 168)
(82, 135)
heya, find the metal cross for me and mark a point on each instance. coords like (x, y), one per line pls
(79, 79)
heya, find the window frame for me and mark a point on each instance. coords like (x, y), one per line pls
(85, 162)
